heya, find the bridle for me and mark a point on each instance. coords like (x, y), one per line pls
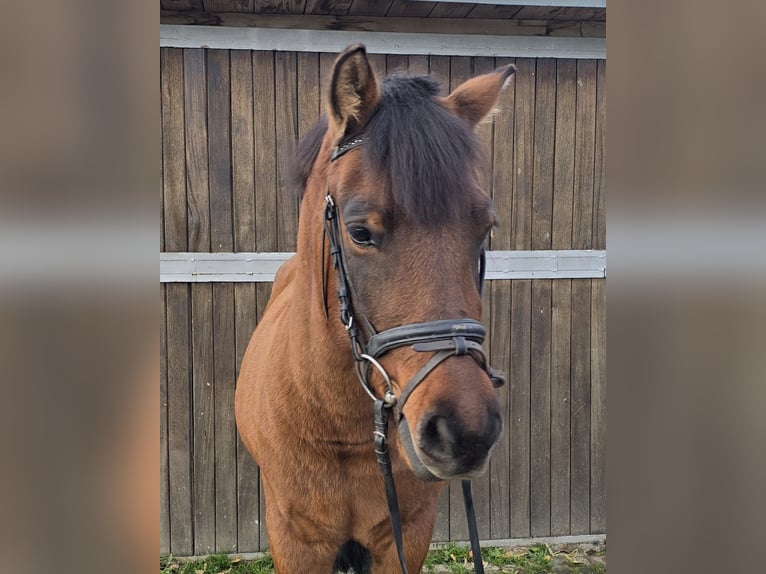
(444, 338)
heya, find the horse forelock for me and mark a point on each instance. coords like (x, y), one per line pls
(426, 155)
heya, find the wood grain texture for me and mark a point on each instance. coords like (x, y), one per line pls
(521, 301)
(219, 150)
(561, 330)
(540, 407)
(197, 183)
(418, 65)
(540, 385)
(242, 150)
(598, 407)
(265, 152)
(410, 9)
(179, 419)
(173, 150)
(203, 418)
(369, 7)
(336, 7)
(544, 139)
(582, 210)
(308, 94)
(451, 10)
(397, 64)
(599, 183)
(563, 168)
(286, 121)
(523, 159)
(581, 404)
(164, 482)
(438, 67)
(224, 353)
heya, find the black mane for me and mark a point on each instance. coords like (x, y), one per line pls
(425, 152)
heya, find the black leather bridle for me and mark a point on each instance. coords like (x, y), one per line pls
(444, 338)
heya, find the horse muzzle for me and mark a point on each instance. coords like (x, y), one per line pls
(444, 448)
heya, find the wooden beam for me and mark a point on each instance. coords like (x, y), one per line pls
(261, 267)
(561, 3)
(472, 26)
(173, 36)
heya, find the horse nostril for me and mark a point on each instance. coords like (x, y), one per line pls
(438, 436)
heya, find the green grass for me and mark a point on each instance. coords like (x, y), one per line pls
(537, 559)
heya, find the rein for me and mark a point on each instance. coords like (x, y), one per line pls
(444, 338)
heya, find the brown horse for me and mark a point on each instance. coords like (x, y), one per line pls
(398, 165)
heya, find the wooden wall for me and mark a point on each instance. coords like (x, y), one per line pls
(229, 123)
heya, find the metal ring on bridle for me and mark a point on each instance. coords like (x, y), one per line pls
(389, 398)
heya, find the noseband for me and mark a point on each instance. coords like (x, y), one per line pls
(444, 338)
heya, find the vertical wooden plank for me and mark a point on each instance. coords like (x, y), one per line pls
(418, 65)
(580, 408)
(308, 92)
(561, 325)
(197, 183)
(164, 485)
(441, 528)
(599, 183)
(396, 64)
(540, 404)
(219, 150)
(326, 61)
(523, 175)
(178, 384)
(540, 389)
(521, 294)
(521, 297)
(501, 191)
(179, 420)
(173, 149)
(439, 68)
(242, 150)
(286, 105)
(582, 235)
(378, 64)
(203, 460)
(265, 152)
(225, 430)
(598, 407)
(222, 239)
(582, 213)
(198, 192)
(561, 319)
(563, 168)
(243, 187)
(543, 163)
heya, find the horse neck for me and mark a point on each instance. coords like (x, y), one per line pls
(323, 341)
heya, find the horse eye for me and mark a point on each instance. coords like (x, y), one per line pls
(361, 235)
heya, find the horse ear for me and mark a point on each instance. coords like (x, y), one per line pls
(474, 99)
(353, 92)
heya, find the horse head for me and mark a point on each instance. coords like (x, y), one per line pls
(412, 220)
